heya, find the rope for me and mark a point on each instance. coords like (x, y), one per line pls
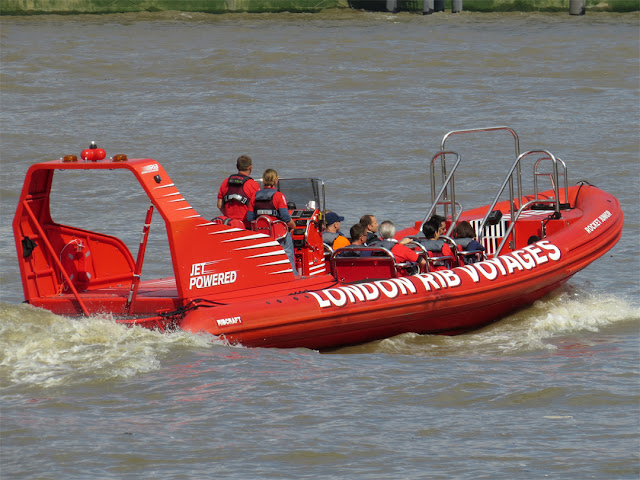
(192, 305)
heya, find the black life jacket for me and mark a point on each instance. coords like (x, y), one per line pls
(236, 189)
(371, 237)
(263, 204)
(388, 244)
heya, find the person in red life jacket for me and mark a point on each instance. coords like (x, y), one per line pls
(332, 235)
(371, 225)
(238, 191)
(273, 204)
(400, 251)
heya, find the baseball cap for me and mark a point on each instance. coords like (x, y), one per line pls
(332, 217)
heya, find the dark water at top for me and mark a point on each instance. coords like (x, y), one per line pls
(361, 100)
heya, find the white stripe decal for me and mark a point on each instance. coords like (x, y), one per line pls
(184, 208)
(268, 254)
(247, 237)
(177, 200)
(231, 229)
(192, 216)
(259, 245)
(166, 186)
(281, 271)
(279, 262)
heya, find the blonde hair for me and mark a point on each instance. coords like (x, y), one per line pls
(269, 177)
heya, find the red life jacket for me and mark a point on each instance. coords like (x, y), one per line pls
(236, 192)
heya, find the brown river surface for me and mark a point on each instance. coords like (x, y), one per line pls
(361, 100)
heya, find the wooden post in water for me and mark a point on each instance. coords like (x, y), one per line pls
(456, 6)
(577, 7)
(427, 7)
(392, 6)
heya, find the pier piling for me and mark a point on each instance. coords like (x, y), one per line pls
(577, 7)
(427, 7)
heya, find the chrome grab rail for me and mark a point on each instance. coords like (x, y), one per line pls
(446, 194)
(512, 198)
(343, 253)
(447, 179)
(514, 220)
(450, 178)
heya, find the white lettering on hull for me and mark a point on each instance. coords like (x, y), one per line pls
(519, 260)
(598, 221)
(202, 278)
(223, 322)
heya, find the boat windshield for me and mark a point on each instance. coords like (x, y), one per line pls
(302, 191)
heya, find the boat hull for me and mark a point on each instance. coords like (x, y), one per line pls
(445, 302)
(240, 286)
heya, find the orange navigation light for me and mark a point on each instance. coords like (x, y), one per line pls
(69, 158)
(119, 157)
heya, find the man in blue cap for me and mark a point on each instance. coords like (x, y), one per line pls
(332, 235)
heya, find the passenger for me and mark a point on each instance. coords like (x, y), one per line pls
(273, 204)
(436, 245)
(238, 191)
(332, 235)
(440, 223)
(358, 234)
(432, 241)
(358, 239)
(371, 225)
(464, 235)
(401, 253)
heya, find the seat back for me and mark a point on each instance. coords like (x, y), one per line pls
(466, 258)
(355, 264)
(232, 222)
(443, 260)
(274, 228)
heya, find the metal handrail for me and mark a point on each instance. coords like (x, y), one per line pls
(448, 178)
(341, 253)
(513, 222)
(484, 129)
(509, 181)
(536, 174)
(491, 129)
(516, 195)
(431, 260)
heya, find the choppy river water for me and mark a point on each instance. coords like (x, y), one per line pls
(361, 100)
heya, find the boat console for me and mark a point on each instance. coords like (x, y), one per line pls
(307, 241)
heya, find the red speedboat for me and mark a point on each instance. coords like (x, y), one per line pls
(239, 285)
